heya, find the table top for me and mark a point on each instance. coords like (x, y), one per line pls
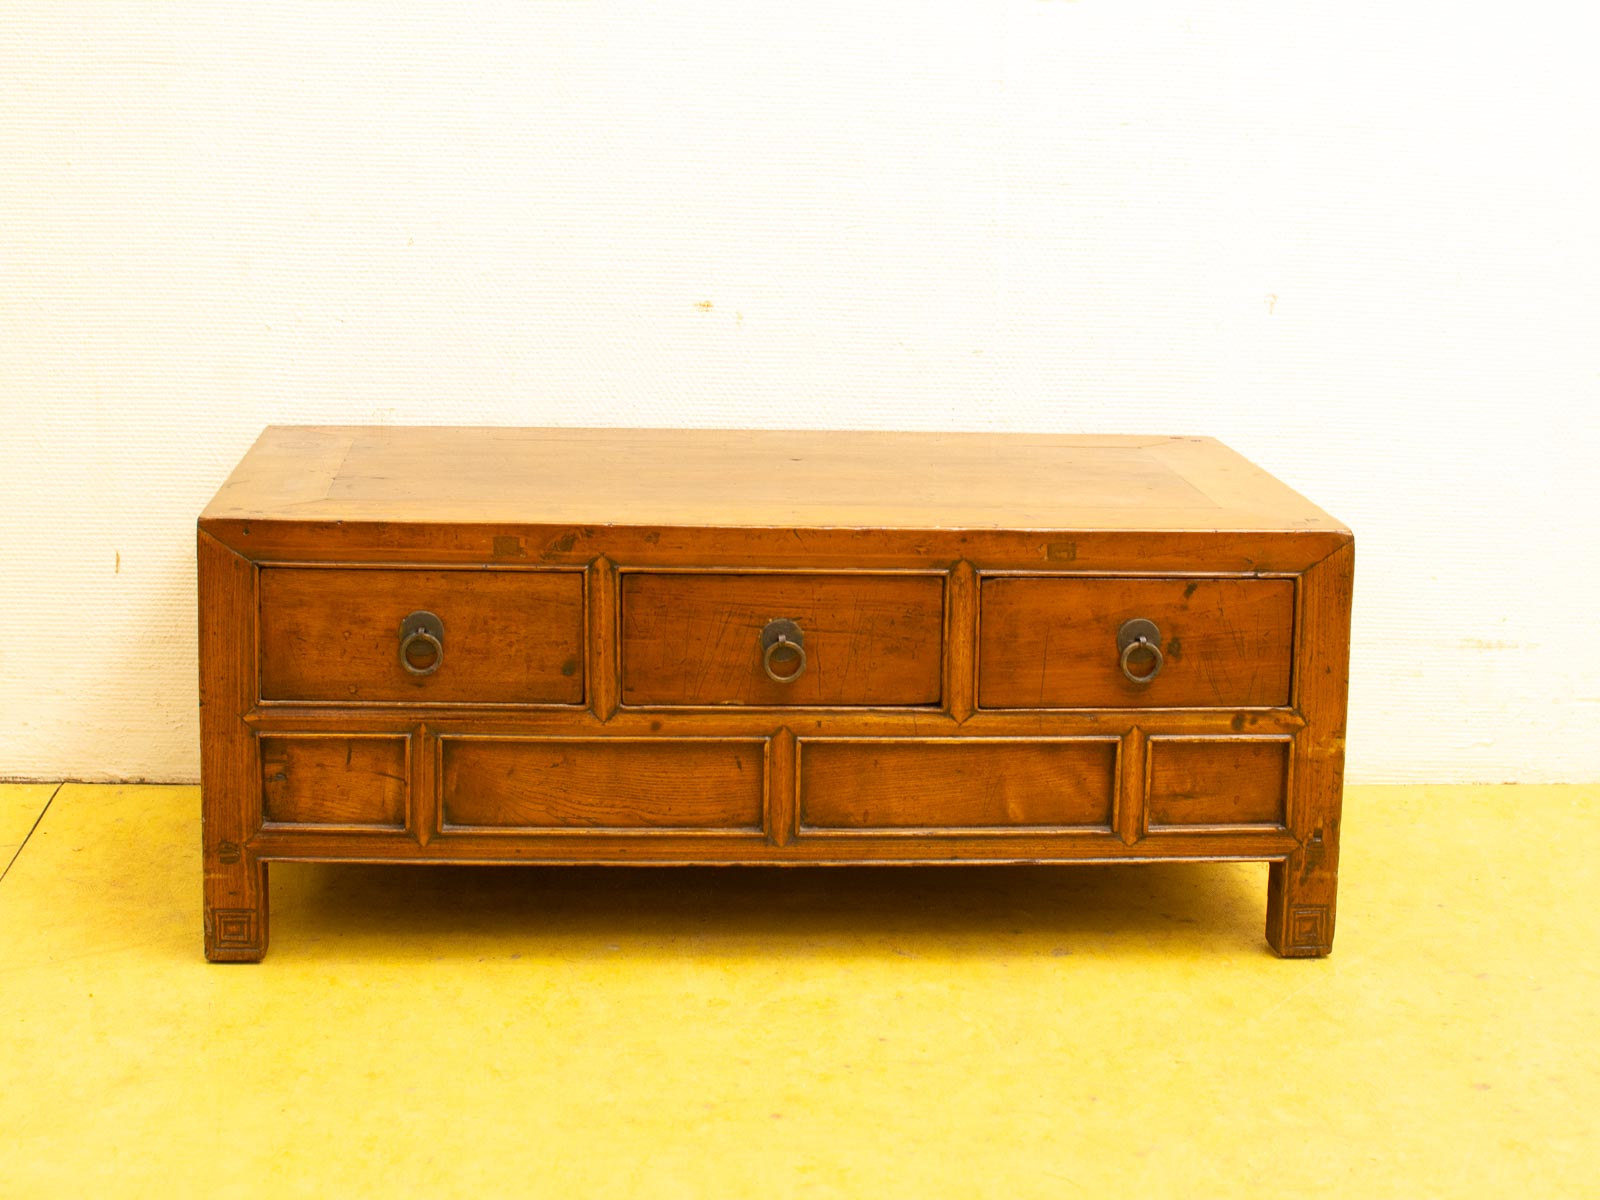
(757, 479)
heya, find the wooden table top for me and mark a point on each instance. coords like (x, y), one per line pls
(757, 479)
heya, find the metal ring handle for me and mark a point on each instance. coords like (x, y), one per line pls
(783, 634)
(422, 627)
(783, 643)
(1137, 633)
(1143, 644)
(411, 639)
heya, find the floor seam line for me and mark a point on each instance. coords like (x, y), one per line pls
(28, 837)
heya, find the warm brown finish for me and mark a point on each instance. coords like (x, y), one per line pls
(235, 890)
(326, 781)
(1216, 782)
(1049, 642)
(950, 783)
(694, 639)
(510, 637)
(601, 697)
(757, 479)
(610, 783)
(1302, 888)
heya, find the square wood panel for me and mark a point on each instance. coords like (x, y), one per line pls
(1216, 782)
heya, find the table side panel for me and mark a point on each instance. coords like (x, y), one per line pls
(292, 541)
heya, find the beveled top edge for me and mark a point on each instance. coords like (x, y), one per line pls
(757, 478)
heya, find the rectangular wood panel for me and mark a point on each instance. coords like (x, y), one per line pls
(972, 783)
(609, 783)
(314, 780)
(776, 479)
(694, 639)
(1218, 781)
(1051, 642)
(510, 637)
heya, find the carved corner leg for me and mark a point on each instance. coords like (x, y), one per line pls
(1302, 889)
(1301, 893)
(235, 890)
(235, 906)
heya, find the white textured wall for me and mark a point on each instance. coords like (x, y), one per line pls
(1356, 241)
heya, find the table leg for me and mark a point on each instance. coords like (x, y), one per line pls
(1301, 892)
(236, 905)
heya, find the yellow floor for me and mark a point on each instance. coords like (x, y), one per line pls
(981, 1032)
(20, 806)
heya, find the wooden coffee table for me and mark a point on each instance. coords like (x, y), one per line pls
(448, 645)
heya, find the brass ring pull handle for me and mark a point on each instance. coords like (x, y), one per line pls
(422, 630)
(1135, 635)
(783, 636)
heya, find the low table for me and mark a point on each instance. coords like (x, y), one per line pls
(449, 645)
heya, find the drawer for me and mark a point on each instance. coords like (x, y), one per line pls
(708, 639)
(1216, 783)
(505, 637)
(335, 781)
(951, 783)
(1053, 642)
(603, 783)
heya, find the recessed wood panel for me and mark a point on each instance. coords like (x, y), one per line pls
(1216, 781)
(1051, 642)
(975, 783)
(510, 637)
(604, 783)
(695, 639)
(334, 781)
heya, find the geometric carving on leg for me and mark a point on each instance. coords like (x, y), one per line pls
(236, 928)
(235, 935)
(1308, 930)
(233, 881)
(1297, 926)
(235, 932)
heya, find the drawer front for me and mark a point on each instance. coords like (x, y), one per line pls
(1052, 642)
(697, 639)
(971, 783)
(603, 783)
(336, 781)
(1216, 783)
(506, 637)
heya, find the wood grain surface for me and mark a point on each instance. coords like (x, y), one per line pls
(956, 784)
(1217, 781)
(234, 882)
(694, 639)
(1052, 642)
(1302, 889)
(614, 783)
(601, 697)
(316, 780)
(751, 478)
(510, 637)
